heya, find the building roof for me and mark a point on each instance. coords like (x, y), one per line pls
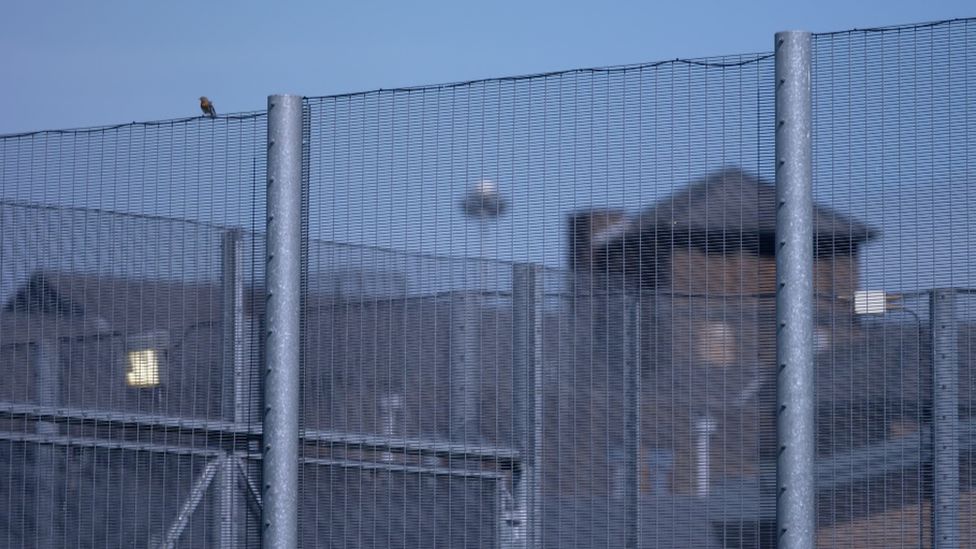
(98, 304)
(40, 296)
(732, 200)
(726, 211)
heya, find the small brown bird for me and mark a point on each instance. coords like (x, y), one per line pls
(207, 107)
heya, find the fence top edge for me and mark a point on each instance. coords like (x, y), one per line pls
(896, 28)
(258, 234)
(247, 115)
(707, 62)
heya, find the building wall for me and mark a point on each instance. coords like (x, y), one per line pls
(716, 339)
(908, 526)
(694, 271)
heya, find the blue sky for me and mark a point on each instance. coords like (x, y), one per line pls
(893, 138)
(69, 64)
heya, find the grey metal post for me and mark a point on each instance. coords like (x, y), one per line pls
(47, 375)
(192, 501)
(527, 377)
(228, 502)
(465, 368)
(945, 428)
(795, 505)
(228, 519)
(283, 296)
(632, 415)
(236, 391)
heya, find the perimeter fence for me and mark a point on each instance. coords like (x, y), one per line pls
(546, 311)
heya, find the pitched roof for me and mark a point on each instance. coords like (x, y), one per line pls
(40, 296)
(93, 304)
(732, 200)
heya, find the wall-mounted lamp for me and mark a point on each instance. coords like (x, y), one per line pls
(145, 357)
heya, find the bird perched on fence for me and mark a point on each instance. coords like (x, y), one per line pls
(207, 107)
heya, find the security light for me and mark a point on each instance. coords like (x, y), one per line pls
(873, 302)
(145, 356)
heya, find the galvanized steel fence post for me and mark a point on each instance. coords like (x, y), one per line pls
(283, 297)
(237, 392)
(238, 399)
(527, 286)
(466, 367)
(47, 371)
(795, 505)
(945, 420)
(632, 416)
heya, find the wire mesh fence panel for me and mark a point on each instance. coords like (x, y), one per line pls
(377, 507)
(893, 145)
(128, 270)
(70, 495)
(536, 311)
(642, 195)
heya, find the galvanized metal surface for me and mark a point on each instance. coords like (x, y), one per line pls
(229, 509)
(796, 504)
(283, 287)
(46, 362)
(465, 368)
(632, 421)
(527, 373)
(945, 419)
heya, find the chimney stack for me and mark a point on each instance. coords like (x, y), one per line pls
(590, 231)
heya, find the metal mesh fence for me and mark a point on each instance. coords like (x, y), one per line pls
(536, 312)
(585, 169)
(893, 143)
(120, 333)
